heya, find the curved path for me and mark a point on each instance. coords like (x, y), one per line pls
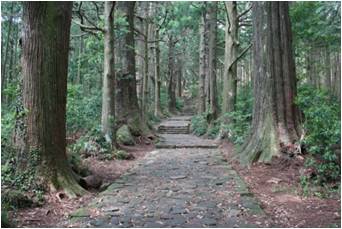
(183, 187)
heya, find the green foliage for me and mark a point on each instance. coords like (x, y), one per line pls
(179, 103)
(322, 126)
(239, 120)
(122, 155)
(152, 118)
(316, 22)
(214, 129)
(5, 222)
(92, 143)
(199, 124)
(15, 199)
(83, 110)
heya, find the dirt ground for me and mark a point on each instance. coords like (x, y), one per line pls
(277, 187)
(56, 209)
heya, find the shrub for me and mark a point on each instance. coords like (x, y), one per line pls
(179, 104)
(322, 126)
(199, 124)
(122, 155)
(240, 119)
(214, 129)
(83, 110)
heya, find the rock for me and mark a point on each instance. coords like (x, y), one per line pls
(153, 224)
(111, 209)
(124, 136)
(98, 223)
(209, 222)
(177, 221)
(178, 210)
(115, 221)
(234, 213)
(91, 181)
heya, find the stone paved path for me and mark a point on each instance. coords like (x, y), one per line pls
(185, 187)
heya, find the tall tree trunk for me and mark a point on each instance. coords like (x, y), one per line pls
(179, 79)
(108, 89)
(327, 68)
(127, 108)
(212, 59)
(140, 50)
(275, 116)
(230, 66)
(202, 66)
(206, 60)
(157, 108)
(144, 100)
(45, 42)
(4, 62)
(79, 61)
(171, 74)
(337, 81)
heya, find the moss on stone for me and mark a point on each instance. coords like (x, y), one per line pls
(124, 136)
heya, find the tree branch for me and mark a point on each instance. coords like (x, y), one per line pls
(241, 54)
(86, 27)
(244, 12)
(139, 32)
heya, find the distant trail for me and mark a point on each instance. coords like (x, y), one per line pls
(175, 133)
(190, 186)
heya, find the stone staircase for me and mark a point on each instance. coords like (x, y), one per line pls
(173, 129)
(175, 133)
(175, 125)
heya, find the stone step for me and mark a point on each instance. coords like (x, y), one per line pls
(173, 129)
(168, 132)
(164, 146)
(170, 129)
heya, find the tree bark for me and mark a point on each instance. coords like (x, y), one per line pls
(171, 74)
(145, 94)
(108, 89)
(45, 47)
(179, 78)
(8, 42)
(275, 121)
(140, 51)
(157, 108)
(202, 66)
(79, 64)
(230, 65)
(327, 77)
(337, 77)
(212, 59)
(127, 108)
